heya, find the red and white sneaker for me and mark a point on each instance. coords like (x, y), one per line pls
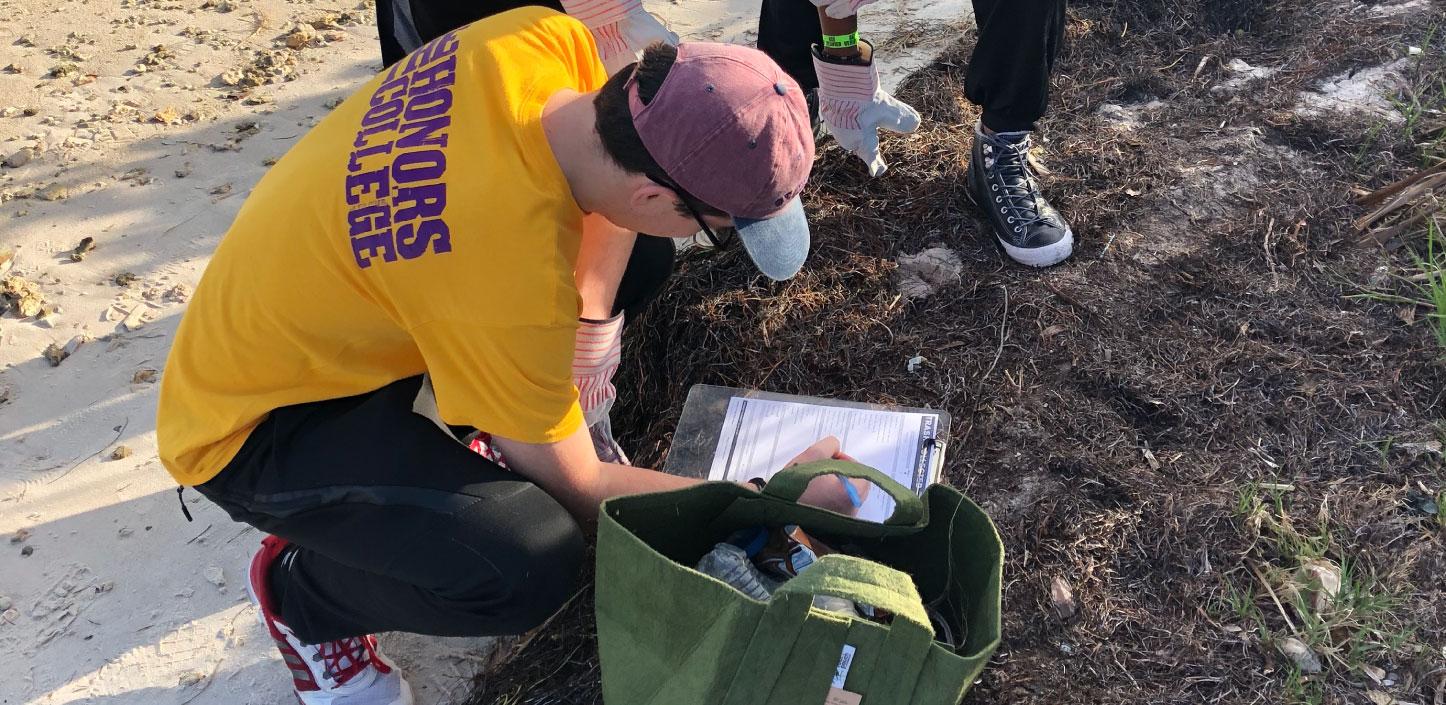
(342, 672)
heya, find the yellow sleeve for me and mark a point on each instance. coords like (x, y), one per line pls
(514, 381)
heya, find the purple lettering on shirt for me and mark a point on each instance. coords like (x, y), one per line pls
(395, 187)
(363, 136)
(439, 75)
(424, 133)
(391, 90)
(425, 201)
(442, 46)
(412, 242)
(353, 165)
(384, 113)
(374, 245)
(429, 105)
(413, 167)
(368, 218)
(374, 184)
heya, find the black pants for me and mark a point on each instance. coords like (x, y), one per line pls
(1008, 73)
(398, 526)
(434, 18)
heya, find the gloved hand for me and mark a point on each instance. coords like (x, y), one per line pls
(597, 350)
(855, 109)
(622, 28)
(839, 9)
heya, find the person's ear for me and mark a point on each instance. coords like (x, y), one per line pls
(648, 195)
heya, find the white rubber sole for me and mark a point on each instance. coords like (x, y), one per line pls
(1046, 256)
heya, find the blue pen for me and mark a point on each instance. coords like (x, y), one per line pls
(853, 493)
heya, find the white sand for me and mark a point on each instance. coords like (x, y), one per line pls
(122, 600)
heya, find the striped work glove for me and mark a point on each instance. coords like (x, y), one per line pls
(855, 108)
(597, 351)
(622, 28)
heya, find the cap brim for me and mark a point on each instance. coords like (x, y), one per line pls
(778, 244)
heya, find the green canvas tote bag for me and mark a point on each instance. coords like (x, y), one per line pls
(670, 635)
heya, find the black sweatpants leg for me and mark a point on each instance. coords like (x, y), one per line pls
(434, 18)
(1008, 73)
(649, 268)
(787, 29)
(398, 526)
(1012, 62)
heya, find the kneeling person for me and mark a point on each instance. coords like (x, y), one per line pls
(439, 222)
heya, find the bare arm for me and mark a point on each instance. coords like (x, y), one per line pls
(601, 261)
(570, 472)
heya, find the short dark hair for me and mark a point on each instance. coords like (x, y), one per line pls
(615, 122)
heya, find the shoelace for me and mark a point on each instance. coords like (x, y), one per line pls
(345, 658)
(1011, 163)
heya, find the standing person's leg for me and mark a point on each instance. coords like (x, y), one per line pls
(787, 31)
(649, 268)
(410, 23)
(387, 29)
(393, 526)
(1012, 62)
(1009, 78)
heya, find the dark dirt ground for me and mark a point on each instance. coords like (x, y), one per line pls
(1173, 421)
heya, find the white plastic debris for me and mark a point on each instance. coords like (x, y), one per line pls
(920, 275)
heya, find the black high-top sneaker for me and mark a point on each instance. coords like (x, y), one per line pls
(1002, 185)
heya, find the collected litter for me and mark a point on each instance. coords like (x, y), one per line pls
(757, 561)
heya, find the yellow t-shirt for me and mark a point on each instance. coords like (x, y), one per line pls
(424, 225)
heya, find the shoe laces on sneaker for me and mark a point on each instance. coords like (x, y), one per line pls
(1012, 180)
(342, 659)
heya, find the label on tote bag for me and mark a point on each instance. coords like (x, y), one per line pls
(845, 662)
(836, 694)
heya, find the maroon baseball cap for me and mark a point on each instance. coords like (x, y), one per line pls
(728, 126)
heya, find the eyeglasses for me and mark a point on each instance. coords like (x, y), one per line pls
(687, 200)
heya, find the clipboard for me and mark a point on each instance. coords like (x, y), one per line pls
(728, 433)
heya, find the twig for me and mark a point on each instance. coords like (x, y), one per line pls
(1386, 192)
(1072, 301)
(197, 536)
(1421, 214)
(1201, 67)
(1273, 598)
(1003, 330)
(240, 533)
(1421, 189)
(77, 464)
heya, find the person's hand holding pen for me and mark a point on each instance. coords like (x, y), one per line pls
(832, 492)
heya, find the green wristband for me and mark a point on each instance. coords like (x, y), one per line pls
(841, 41)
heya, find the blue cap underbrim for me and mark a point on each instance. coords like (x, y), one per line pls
(778, 244)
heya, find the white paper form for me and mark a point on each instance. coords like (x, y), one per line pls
(760, 435)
